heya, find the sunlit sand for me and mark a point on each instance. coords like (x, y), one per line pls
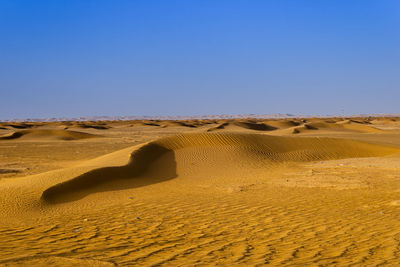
(200, 192)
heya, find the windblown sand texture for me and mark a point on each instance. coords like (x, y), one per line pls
(290, 192)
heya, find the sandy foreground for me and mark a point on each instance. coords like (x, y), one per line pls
(288, 192)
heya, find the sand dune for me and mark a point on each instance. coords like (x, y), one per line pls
(94, 126)
(256, 151)
(150, 123)
(281, 124)
(346, 125)
(298, 126)
(48, 134)
(190, 124)
(19, 125)
(98, 125)
(219, 127)
(244, 125)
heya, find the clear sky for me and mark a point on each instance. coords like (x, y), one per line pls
(195, 57)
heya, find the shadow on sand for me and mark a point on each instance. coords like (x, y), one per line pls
(150, 164)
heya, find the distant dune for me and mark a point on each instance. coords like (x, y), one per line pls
(258, 126)
(48, 134)
(345, 125)
(93, 126)
(287, 126)
(283, 123)
(19, 125)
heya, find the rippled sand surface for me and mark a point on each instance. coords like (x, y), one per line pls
(194, 193)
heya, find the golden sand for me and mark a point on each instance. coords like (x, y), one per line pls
(193, 193)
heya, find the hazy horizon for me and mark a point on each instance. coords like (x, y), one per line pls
(134, 58)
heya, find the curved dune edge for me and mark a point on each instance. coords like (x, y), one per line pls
(157, 161)
(48, 134)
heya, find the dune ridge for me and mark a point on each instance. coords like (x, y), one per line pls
(173, 155)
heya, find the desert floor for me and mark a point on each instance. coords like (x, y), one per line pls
(290, 192)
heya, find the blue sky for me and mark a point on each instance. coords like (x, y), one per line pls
(86, 58)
